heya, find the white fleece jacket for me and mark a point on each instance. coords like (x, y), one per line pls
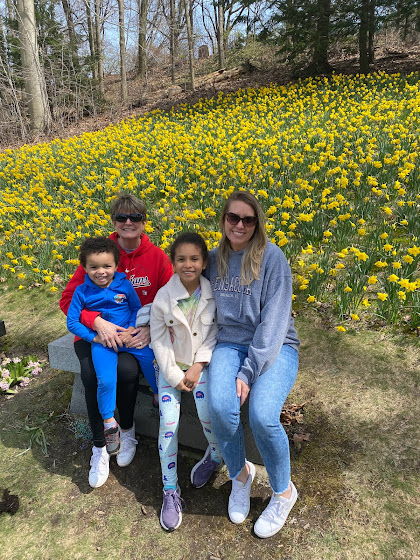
(190, 345)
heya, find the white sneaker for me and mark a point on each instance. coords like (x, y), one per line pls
(128, 447)
(99, 467)
(275, 514)
(239, 499)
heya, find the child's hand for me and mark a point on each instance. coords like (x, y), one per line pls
(172, 334)
(181, 386)
(192, 375)
(126, 336)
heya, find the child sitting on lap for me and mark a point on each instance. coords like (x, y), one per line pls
(185, 309)
(109, 292)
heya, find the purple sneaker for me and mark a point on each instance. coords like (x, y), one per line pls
(171, 512)
(203, 470)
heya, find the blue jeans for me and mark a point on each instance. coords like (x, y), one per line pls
(266, 399)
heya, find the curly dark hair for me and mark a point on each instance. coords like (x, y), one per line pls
(192, 238)
(93, 245)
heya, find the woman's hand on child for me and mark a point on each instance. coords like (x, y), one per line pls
(139, 338)
(108, 333)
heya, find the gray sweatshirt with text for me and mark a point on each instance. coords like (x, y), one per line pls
(257, 315)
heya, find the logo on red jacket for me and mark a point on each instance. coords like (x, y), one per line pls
(139, 281)
(119, 298)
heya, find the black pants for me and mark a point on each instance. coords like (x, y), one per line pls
(127, 384)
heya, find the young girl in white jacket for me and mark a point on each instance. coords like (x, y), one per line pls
(184, 311)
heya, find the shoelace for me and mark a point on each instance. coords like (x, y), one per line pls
(274, 510)
(128, 438)
(240, 493)
(174, 500)
(97, 461)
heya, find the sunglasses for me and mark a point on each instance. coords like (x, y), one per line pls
(132, 217)
(248, 221)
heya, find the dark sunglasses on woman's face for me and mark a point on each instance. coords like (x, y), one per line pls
(234, 219)
(132, 217)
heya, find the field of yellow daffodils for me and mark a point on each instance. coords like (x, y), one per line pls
(334, 162)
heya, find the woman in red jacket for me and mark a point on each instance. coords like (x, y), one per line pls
(148, 268)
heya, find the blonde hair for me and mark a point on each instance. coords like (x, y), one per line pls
(254, 251)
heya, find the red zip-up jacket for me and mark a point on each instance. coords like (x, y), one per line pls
(148, 268)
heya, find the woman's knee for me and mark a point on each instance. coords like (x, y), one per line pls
(263, 420)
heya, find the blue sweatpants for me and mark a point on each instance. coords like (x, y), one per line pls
(105, 361)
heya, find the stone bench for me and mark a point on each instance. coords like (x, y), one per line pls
(63, 357)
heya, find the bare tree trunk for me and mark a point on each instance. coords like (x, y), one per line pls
(190, 44)
(69, 20)
(3, 54)
(144, 4)
(35, 88)
(98, 47)
(10, 11)
(319, 63)
(363, 37)
(71, 33)
(179, 17)
(91, 37)
(371, 35)
(123, 67)
(172, 43)
(191, 13)
(210, 35)
(221, 34)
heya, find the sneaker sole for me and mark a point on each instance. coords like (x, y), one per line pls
(121, 463)
(114, 452)
(170, 529)
(272, 533)
(98, 485)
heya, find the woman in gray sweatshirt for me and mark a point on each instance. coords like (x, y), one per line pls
(256, 355)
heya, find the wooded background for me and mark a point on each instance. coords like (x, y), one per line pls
(54, 54)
